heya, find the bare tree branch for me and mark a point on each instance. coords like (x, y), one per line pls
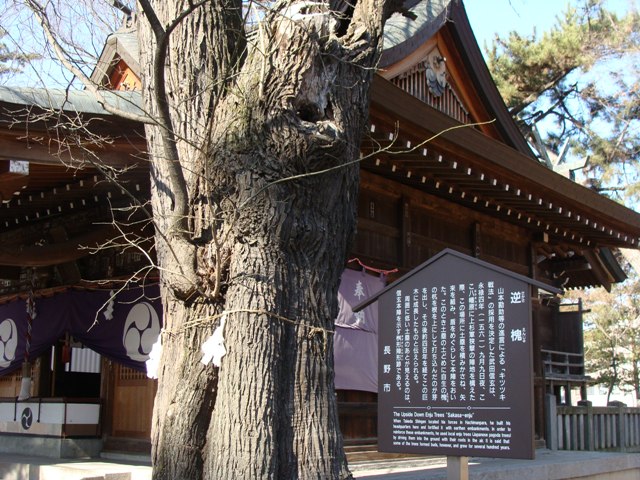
(41, 15)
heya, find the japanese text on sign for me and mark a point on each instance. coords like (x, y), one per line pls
(450, 343)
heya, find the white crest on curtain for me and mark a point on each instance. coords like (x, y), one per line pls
(141, 330)
(8, 342)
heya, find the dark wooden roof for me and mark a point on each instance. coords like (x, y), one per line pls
(495, 173)
(65, 174)
(469, 168)
(498, 177)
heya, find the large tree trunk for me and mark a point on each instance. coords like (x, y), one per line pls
(265, 141)
(275, 415)
(180, 99)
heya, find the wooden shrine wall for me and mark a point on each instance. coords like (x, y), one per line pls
(131, 395)
(10, 384)
(401, 227)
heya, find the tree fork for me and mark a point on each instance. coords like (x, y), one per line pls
(293, 103)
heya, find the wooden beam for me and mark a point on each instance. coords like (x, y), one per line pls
(476, 240)
(68, 271)
(418, 121)
(10, 273)
(55, 253)
(116, 155)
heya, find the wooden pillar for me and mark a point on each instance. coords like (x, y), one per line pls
(405, 231)
(106, 395)
(457, 468)
(476, 240)
(551, 422)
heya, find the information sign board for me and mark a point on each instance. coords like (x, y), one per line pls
(455, 361)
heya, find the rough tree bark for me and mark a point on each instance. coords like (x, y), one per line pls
(249, 229)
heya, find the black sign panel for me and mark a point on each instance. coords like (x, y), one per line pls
(455, 361)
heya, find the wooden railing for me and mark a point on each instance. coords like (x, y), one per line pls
(563, 365)
(592, 428)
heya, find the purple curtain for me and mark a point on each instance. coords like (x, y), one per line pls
(121, 325)
(356, 338)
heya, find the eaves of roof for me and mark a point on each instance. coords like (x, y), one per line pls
(508, 182)
(79, 101)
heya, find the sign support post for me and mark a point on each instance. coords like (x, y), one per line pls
(457, 468)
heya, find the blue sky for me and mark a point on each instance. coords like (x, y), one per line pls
(503, 16)
(488, 17)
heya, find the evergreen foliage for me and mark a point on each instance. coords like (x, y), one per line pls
(612, 337)
(580, 81)
(11, 61)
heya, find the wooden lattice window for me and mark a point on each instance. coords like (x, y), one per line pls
(127, 373)
(428, 82)
(10, 384)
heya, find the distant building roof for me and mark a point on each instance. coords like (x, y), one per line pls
(402, 34)
(81, 101)
(122, 44)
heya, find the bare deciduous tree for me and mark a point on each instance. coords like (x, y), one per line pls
(255, 113)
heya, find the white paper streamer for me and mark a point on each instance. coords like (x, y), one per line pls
(213, 348)
(25, 389)
(153, 363)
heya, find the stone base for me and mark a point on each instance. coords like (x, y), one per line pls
(50, 447)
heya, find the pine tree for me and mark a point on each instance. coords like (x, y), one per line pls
(579, 84)
(11, 60)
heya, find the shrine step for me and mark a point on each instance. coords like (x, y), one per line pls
(36, 469)
(369, 453)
